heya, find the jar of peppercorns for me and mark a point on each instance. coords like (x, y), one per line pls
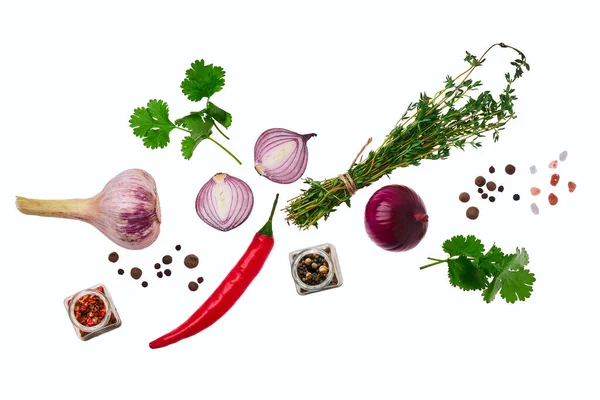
(315, 269)
(92, 312)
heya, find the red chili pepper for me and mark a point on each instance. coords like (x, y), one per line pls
(230, 290)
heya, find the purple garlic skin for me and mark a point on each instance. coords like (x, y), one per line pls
(127, 210)
(130, 208)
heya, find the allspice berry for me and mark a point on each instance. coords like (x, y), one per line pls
(491, 186)
(480, 181)
(510, 169)
(323, 270)
(308, 261)
(472, 212)
(464, 197)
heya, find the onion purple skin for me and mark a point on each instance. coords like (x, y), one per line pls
(292, 166)
(238, 197)
(396, 218)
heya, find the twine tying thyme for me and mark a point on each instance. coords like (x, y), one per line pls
(346, 178)
(449, 119)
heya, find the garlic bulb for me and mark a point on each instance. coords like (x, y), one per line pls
(127, 210)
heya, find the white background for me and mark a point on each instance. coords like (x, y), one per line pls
(72, 73)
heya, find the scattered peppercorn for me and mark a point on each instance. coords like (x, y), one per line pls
(157, 266)
(159, 274)
(480, 190)
(318, 272)
(552, 199)
(136, 273)
(167, 272)
(510, 169)
(167, 259)
(120, 271)
(480, 181)
(501, 188)
(200, 279)
(113, 257)
(472, 212)
(464, 197)
(572, 186)
(491, 186)
(492, 169)
(144, 284)
(554, 179)
(191, 261)
(193, 286)
(492, 199)
(178, 247)
(516, 197)
(484, 196)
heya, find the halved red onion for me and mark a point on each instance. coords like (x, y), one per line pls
(281, 155)
(224, 202)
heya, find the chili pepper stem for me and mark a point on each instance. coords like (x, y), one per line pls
(267, 230)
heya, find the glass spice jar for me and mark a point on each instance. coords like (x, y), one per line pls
(92, 312)
(315, 269)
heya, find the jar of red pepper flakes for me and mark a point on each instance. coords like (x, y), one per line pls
(315, 269)
(92, 312)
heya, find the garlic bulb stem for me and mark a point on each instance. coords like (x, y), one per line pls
(79, 209)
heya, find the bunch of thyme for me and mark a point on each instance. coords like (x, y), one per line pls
(427, 131)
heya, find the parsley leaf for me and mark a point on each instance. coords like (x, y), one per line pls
(465, 275)
(152, 124)
(459, 245)
(202, 81)
(469, 268)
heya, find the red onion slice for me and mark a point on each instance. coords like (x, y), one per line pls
(224, 202)
(281, 155)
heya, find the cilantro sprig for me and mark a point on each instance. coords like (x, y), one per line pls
(492, 272)
(152, 123)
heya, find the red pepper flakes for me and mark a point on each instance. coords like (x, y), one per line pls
(554, 179)
(552, 199)
(535, 191)
(89, 310)
(572, 186)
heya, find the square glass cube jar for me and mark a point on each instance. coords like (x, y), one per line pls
(92, 312)
(325, 252)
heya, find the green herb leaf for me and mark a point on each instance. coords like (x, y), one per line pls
(491, 262)
(193, 122)
(200, 130)
(218, 114)
(152, 124)
(459, 245)
(465, 275)
(513, 281)
(202, 81)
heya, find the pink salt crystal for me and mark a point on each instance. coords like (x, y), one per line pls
(553, 164)
(572, 186)
(535, 191)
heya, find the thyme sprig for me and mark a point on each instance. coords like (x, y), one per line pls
(427, 130)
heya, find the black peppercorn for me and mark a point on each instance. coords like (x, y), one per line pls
(144, 284)
(178, 247)
(501, 188)
(516, 197)
(159, 274)
(480, 190)
(492, 199)
(200, 279)
(492, 169)
(120, 271)
(157, 266)
(167, 272)
(167, 259)
(484, 196)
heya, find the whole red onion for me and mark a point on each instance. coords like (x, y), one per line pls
(396, 218)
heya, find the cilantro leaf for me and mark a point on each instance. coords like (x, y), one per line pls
(152, 124)
(514, 282)
(491, 262)
(459, 245)
(202, 80)
(193, 122)
(200, 130)
(218, 114)
(465, 275)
